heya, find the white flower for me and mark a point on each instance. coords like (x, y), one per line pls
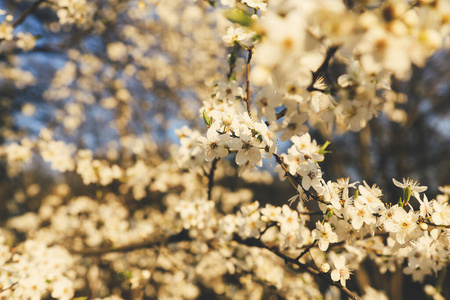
(441, 214)
(248, 148)
(344, 184)
(311, 176)
(414, 185)
(387, 219)
(63, 289)
(258, 4)
(6, 31)
(341, 272)
(214, 144)
(288, 220)
(266, 101)
(251, 225)
(325, 235)
(426, 207)
(331, 194)
(241, 35)
(292, 124)
(270, 212)
(228, 91)
(405, 224)
(371, 196)
(360, 213)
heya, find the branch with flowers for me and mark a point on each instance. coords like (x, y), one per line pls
(346, 217)
(176, 227)
(343, 272)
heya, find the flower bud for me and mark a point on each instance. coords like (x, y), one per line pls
(325, 268)
(423, 226)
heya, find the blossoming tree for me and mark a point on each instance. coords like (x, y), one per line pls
(131, 214)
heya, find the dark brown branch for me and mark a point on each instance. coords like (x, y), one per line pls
(268, 226)
(252, 242)
(441, 226)
(305, 251)
(323, 68)
(315, 75)
(311, 213)
(179, 237)
(296, 179)
(211, 177)
(247, 98)
(280, 114)
(26, 13)
(8, 288)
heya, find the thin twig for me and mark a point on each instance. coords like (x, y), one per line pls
(296, 179)
(323, 68)
(211, 177)
(441, 226)
(252, 242)
(26, 13)
(247, 98)
(315, 75)
(265, 229)
(305, 251)
(311, 213)
(8, 288)
(179, 237)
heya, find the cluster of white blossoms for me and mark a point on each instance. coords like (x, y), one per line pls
(74, 11)
(197, 214)
(290, 39)
(34, 270)
(231, 132)
(357, 226)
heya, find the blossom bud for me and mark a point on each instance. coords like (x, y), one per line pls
(423, 226)
(325, 268)
(226, 119)
(330, 214)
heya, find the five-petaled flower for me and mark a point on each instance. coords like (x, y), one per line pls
(341, 273)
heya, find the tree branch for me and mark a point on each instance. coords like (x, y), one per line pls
(247, 98)
(211, 177)
(318, 73)
(306, 251)
(323, 68)
(26, 13)
(441, 226)
(8, 288)
(252, 242)
(309, 194)
(179, 237)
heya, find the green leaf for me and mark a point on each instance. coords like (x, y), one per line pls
(260, 138)
(407, 194)
(330, 214)
(239, 16)
(125, 275)
(129, 274)
(323, 147)
(208, 120)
